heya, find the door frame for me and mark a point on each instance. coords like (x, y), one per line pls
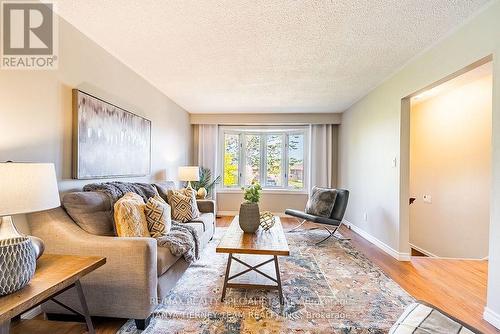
(404, 154)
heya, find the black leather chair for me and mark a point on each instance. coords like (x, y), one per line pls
(334, 220)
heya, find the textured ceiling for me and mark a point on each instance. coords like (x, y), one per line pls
(265, 55)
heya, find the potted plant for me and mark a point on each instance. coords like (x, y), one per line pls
(249, 218)
(205, 185)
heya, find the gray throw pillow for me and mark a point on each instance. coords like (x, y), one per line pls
(91, 210)
(321, 202)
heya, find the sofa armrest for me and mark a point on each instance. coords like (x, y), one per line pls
(130, 272)
(206, 205)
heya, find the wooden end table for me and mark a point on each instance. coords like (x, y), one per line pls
(272, 242)
(54, 275)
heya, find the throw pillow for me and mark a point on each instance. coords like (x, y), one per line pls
(130, 219)
(321, 202)
(184, 206)
(158, 216)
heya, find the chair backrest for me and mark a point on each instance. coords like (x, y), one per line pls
(340, 204)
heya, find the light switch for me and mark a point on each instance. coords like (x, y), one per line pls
(394, 162)
(427, 198)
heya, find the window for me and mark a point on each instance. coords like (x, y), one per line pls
(274, 157)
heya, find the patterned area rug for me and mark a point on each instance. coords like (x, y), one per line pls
(330, 288)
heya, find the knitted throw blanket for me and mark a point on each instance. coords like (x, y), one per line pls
(181, 240)
(116, 190)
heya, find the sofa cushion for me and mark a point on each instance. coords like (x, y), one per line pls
(183, 203)
(158, 216)
(200, 229)
(91, 211)
(205, 219)
(164, 260)
(130, 219)
(163, 188)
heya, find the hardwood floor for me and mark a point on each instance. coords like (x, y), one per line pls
(456, 286)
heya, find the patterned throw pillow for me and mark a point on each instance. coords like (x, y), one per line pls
(158, 216)
(321, 202)
(184, 206)
(130, 219)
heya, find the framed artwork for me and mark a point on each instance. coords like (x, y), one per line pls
(108, 141)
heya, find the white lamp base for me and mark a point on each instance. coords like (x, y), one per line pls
(8, 229)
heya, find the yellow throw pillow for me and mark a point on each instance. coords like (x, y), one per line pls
(184, 206)
(158, 216)
(130, 219)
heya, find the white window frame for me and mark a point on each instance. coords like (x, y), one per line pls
(263, 132)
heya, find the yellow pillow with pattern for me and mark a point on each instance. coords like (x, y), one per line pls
(130, 218)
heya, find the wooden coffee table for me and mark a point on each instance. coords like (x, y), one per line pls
(54, 274)
(272, 242)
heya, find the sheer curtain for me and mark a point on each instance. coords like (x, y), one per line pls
(206, 146)
(324, 155)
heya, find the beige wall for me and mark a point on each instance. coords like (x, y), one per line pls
(35, 109)
(450, 160)
(275, 202)
(370, 139)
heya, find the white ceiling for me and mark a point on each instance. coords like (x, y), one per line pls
(266, 55)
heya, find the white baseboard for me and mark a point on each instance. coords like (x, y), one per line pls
(383, 246)
(432, 255)
(423, 251)
(492, 317)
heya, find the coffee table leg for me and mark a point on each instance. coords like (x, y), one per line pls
(228, 270)
(5, 327)
(85, 309)
(278, 279)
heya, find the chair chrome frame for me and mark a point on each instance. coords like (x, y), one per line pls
(331, 233)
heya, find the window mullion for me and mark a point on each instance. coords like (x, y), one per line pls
(264, 160)
(284, 164)
(242, 162)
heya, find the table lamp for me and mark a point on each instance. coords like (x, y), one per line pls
(25, 188)
(189, 173)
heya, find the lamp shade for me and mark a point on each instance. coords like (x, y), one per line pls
(27, 187)
(189, 173)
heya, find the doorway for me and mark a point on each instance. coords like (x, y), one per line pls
(450, 166)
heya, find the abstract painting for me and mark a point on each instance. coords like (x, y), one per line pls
(108, 141)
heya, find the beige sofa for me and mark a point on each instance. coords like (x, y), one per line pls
(137, 274)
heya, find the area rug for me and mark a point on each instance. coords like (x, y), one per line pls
(330, 288)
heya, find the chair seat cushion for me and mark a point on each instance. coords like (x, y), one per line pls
(312, 218)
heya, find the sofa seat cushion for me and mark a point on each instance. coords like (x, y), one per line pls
(165, 259)
(205, 219)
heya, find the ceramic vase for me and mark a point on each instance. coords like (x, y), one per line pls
(18, 263)
(249, 218)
